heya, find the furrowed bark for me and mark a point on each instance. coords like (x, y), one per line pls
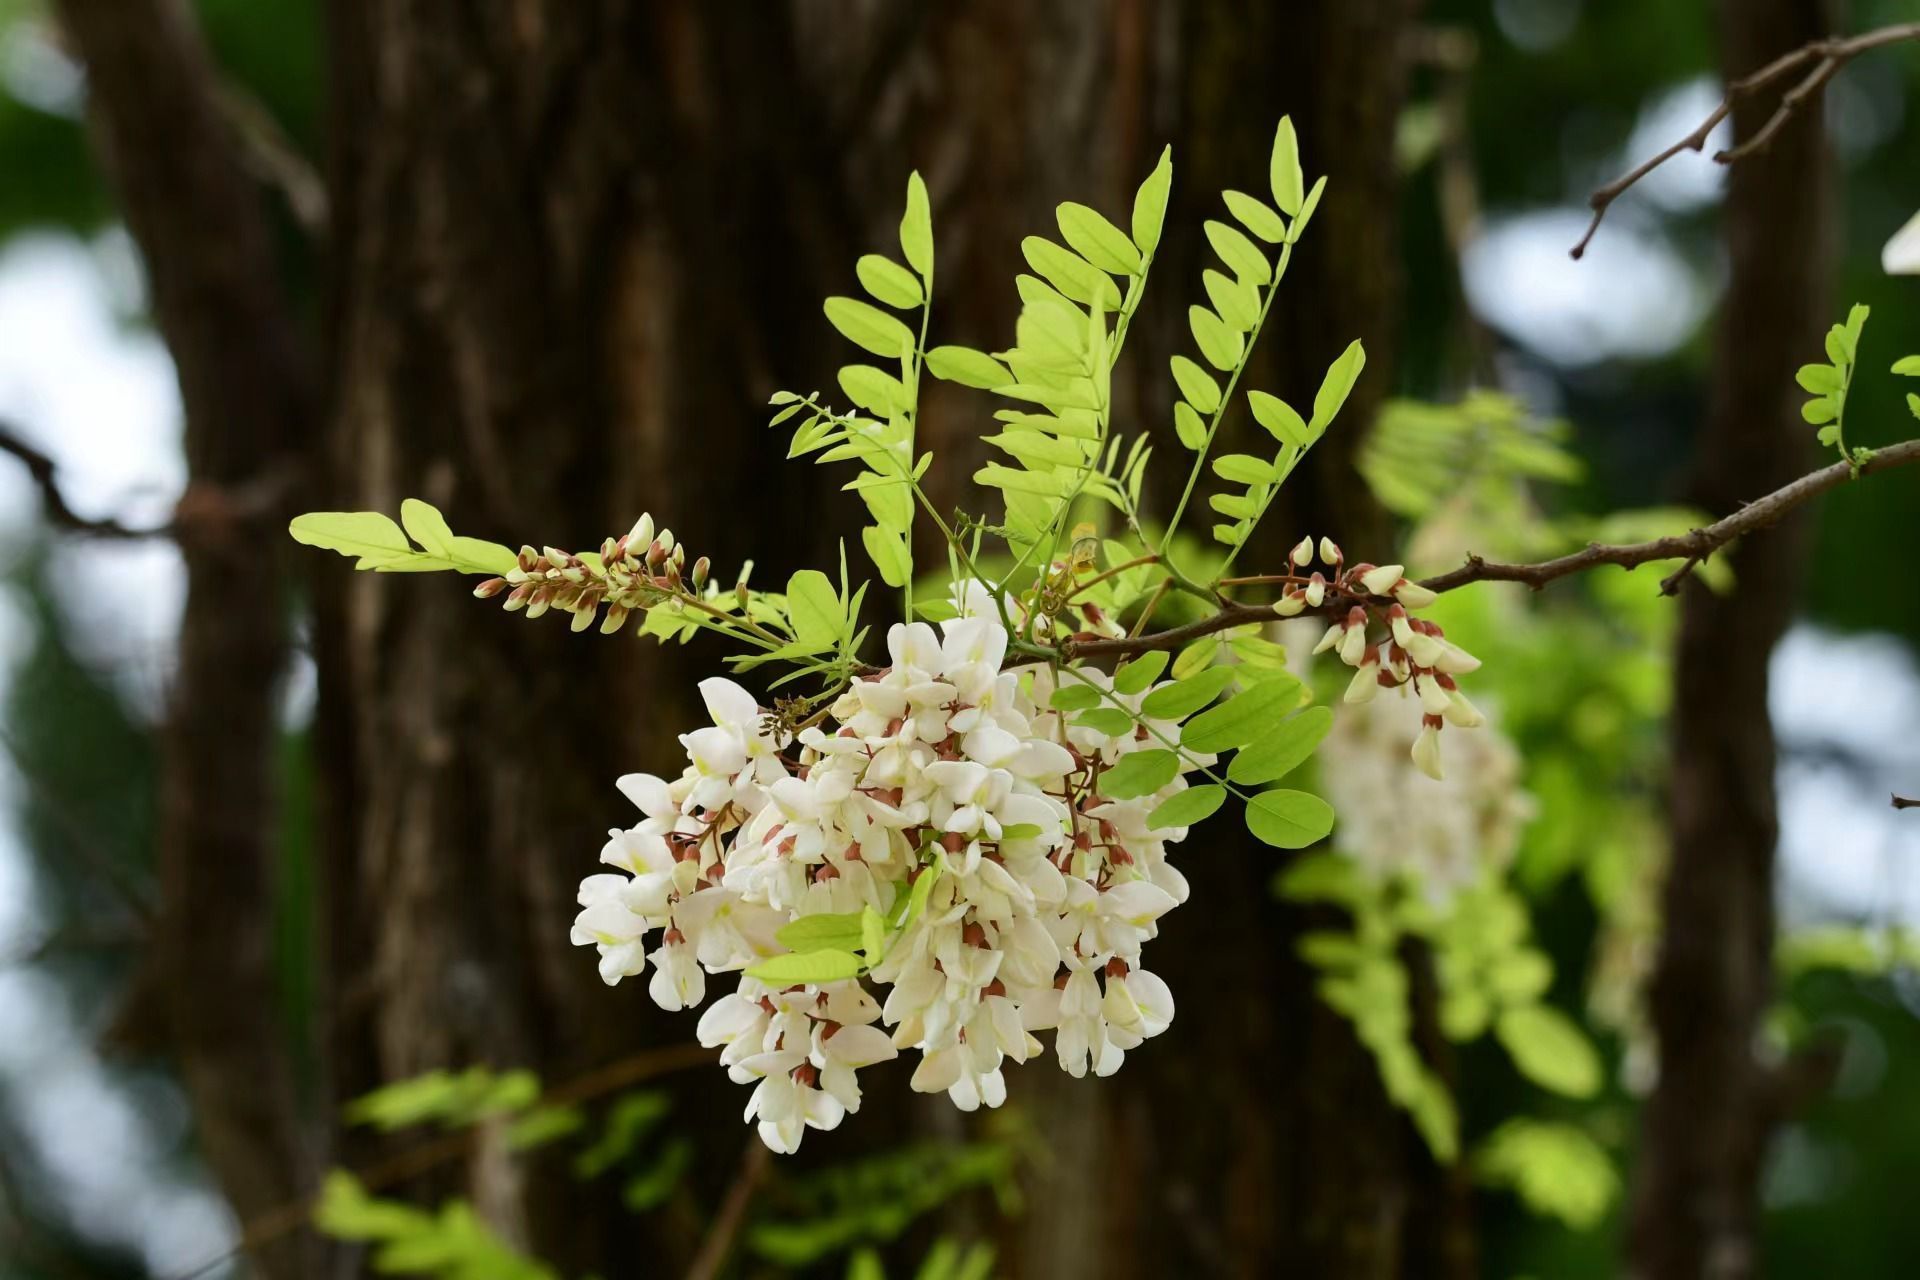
(247, 389)
(1705, 1128)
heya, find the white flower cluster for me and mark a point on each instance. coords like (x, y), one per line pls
(1445, 836)
(945, 766)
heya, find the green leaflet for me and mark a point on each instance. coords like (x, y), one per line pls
(826, 932)
(1192, 806)
(1111, 721)
(1256, 217)
(888, 551)
(1280, 420)
(875, 391)
(1284, 169)
(967, 367)
(1289, 819)
(805, 967)
(1240, 719)
(888, 281)
(1187, 695)
(1078, 696)
(1341, 375)
(1196, 658)
(1236, 301)
(1140, 673)
(1098, 241)
(1196, 384)
(1243, 468)
(1150, 203)
(1282, 749)
(916, 228)
(1219, 342)
(1140, 773)
(1072, 275)
(866, 326)
(1188, 427)
(1556, 1169)
(1550, 1049)
(1238, 252)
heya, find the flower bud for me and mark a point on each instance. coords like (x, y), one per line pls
(1380, 580)
(1413, 595)
(583, 618)
(642, 532)
(1463, 713)
(1452, 659)
(1329, 551)
(1316, 590)
(539, 602)
(517, 598)
(1424, 649)
(1433, 699)
(1403, 631)
(1353, 645)
(556, 557)
(1302, 552)
(1291, 603)
(1426, 749)
(1365, 685)
(615, 619)
(490, 588)
(1335, 634)
(528, 557)
(701, 568)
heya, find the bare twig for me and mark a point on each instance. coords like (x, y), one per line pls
(1689, 548)
(1901, 802)
(733, 1211)
(1825, 57)
(41, 469)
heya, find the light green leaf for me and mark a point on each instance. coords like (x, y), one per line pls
(873, 934)
(1140, 773)
(1188, 427)
(1289, 819)
(1150, 203)
(916, 228)
(888, 281)
(1256, 217)
(1219, 342)
(1194, 659)
(1072, 275)
(1190, 807)
(1238, 252)
(1913, 403)
(967, 367)
(374, 538)
(1187, 695)
(1196, 384)
(1550, 1050)
(1110, 721)
(1077, 696)
(1306, 210)
(873, 390)
(426, 526)
(1818, 379)
(1819, 411)
(1323, 877)
(1284, 168)
(1341, 375)
(1243, 468)
(825, 932)
(807, 967)
(1240, 719)
(1237, 302)
(1279, 418)
(1520, 977)
(1097, 240)
(1909, 366)
(888, 551)
(923, 884)
(1282, 749)
(866, 326)
(1140, 673)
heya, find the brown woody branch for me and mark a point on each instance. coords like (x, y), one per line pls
(1824, 57)
(1689, 548)
(1902, 802)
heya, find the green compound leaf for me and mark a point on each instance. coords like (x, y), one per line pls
(1192, 806)
(1289, 819)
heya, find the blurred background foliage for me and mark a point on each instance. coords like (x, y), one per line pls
(1539, 102)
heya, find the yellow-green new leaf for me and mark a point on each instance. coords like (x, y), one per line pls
(1281, 750)
(1188, 427)
(1139, 674)
(814, 607)
(1238, 252)
(888, 551)
(916, 228)
(888, 281)
(968, 367)
(1289, 819)
(1279, 418)
(1196, 384)
(1341, 375)
(1098, 241)
(827, 931)
(1240, 719)
(1150, 203)
(1237, 301)
(1071, 274)
(1256, 217)
(829, 965)
(1219, 342)
(867, 326)
(1194, 805)
(1284, 169)
(1188, 693)
(1550, 1050)
(1140, 773)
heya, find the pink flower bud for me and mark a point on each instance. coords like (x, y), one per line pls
(490, 588)
(615, 619)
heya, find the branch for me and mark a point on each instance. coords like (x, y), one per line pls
(40, 469)
(1901, 802)
(733, 1211)
(1689, 548)
(1827, 57)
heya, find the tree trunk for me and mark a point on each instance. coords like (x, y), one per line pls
(1706, 1127)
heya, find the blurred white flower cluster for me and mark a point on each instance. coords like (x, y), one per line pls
(1395, 820)
(943, 806)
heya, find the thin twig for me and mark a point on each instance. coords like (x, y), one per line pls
(1826, 57)
(1689, 548)
(41, 470)
(1901, 802)
(733, 1211)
